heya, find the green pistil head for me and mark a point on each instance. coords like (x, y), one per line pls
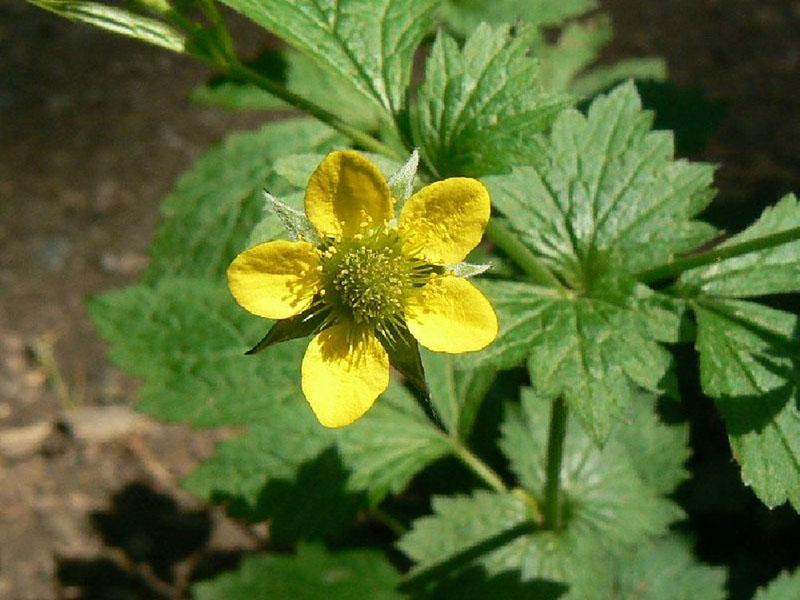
(367, 278)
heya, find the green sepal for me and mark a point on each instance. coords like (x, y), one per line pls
(404, 356)
(299, 326)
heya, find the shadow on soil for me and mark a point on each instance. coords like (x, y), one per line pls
(156, 549)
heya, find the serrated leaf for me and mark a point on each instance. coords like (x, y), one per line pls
(368, 44)
(608, 196)
(311, 574)
(665, 569)
(593, 351)
(606, 495)
(749, 364)
(117, 20)
(187, 338)
(389, 445)
(609, 510)
(482, 109)
(784, 587)
(209, 214)
(465, 15)
(456, 394)
(775, 270)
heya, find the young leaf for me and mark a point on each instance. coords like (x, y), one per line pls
(749, 363)
(783, 587)
(481, 109)
(117, 20)
(389, 445)
(214, 206)
(772, 271)
(594, 351)
(187, 338)
(665, 569)
(311, 574)
(368, 44)
(608, 196)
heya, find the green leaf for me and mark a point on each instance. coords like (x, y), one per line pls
(389, 445)
(311, 574)
(187, 338)
(609, 510)
(775, 270)
(593, 351)
(456, 394)
(118, 21)
(286, 470)
(665, 569)
(475, 584)
(368, 44)
(749, 364)
(608, 196)
(235, 95)
(783, 587)
(465, 15)
(214, 206)
(482, 108)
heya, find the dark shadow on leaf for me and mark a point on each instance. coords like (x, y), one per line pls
(474, 583)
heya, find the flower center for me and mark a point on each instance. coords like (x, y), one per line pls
(367, 278)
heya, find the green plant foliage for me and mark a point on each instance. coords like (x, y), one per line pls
(367, 44)
(749, 354)
(117, 20)
(390, 445)
(748, 363)
(783, 587)
(187, 338)
(214, 206)
(465, 15)
(481, 108)
(664, 569)
(297, 73)
(312, 573)
(609, 505)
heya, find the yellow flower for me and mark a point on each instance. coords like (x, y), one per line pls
(370, 281)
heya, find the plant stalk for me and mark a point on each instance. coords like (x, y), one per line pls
(679, 265)
(555, 453)
(240, 71)
(477, 466)
(509, 243)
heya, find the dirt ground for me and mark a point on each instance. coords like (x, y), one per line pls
(93, 131)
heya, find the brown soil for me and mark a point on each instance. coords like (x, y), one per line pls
(93, 131)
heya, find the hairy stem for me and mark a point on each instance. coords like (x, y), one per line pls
(477, 466)
(679, 265)
(361, 138)
(509, 243)
(555, 453)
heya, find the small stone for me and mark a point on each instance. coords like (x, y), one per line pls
(103, 423)
(125, 263)
(17, 442)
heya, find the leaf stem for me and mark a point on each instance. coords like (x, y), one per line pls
(509, 243)
(679, 265)
(240, 71)
(555, 453)
(477, 466)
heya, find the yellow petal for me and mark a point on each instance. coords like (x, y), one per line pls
(275, 280)
(443, 221)
(344, 191)
(449, 314)
(343, 373)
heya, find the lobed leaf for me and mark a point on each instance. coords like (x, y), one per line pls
(482, 108)
(783, 587)
(465, 15)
